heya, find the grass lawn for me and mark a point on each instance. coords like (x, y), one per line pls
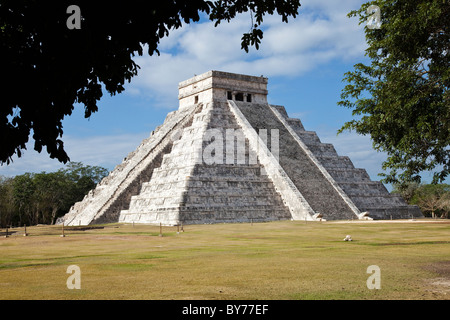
(276, 260)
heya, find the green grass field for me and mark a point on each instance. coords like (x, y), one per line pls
(276, 260)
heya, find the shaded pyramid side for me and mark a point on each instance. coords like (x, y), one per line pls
(200, 182)
(369, 196)
(313, 182)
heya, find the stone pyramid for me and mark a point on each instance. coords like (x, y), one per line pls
(226, 155)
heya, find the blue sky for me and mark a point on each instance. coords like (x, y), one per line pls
(304, 60)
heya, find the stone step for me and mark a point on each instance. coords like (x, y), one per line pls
(281, 110)
(228, 170)
(209, 188)
(187, 216)
(158, 182)
(226, 200)
(296, 124)
(368, 201)
(323, 150)
(308, 137)
(211, 177)
(363, 188)
(332, 162)
(207, 202)
(348, 175)
(388, 212)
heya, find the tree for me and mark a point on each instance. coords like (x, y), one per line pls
(407, 191)
(33, 198)
(47, 67)
(429, 203)
(444, 204)
(24, 199)
(432, 198)
(77, 170)
(6, 201)
(402, 98)
(80, 179)
(51, 194)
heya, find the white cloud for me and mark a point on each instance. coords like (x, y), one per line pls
(320, 33)
(105, 151)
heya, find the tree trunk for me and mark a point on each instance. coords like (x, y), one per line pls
(54, 211)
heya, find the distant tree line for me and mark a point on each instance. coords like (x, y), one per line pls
(432, 199)
(40, 198)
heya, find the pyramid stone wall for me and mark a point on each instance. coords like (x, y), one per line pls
(209, 162)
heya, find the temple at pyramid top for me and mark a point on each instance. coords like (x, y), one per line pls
(227, 155)
(222, 86)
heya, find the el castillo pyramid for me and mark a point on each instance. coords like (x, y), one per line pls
(226, 155)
